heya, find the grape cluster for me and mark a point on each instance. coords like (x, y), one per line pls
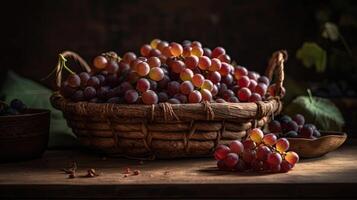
(16, 107)
(293, 127)
(167, 72)
(262, 153)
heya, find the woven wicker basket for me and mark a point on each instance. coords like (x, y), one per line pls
(167, 130)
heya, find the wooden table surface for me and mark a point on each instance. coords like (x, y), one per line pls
(333, 175)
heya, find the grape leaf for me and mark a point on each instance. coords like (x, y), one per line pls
(312, 54)
(319, 111)
(331, 31)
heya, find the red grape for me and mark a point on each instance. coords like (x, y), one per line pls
(215, 77)
(204, 62)
(255, 97)
(233, 99)
(154, 43)
(174, 101)
(252, 85)
(292, 157)
(225, 69)
(249, 145)
(261, 89)
(156, 74)
(160, 46)
(181, 97)
(145, 50)
(176, 49)
(274, 159)
(240, 72)
(186, 51)
(206, 95)
(154, 62)
(74, 80)
(207, 52)
(231, 160)
(131, 96)
(285, 166)
(263, 79)
(112, 67)
(142, 68)
(215, 65)
(186, 87)
(217, 52)
(270, 139)
(221, 152)
(197, 51)
(236, 147)
(129, 57)
(100, 62)
(173, 87)
(186, 74)
(150, 97)
(207, 84)
(191, 62)
(249, 156)
(84, 76)
(177, 66)
(142, 85)
(224, 58)
(256, 135)
(282, 145)
(195, 97)
(243, 81)
(154, 53)
(263, 152)
(299, 119)
(244, 94)
(228, 79)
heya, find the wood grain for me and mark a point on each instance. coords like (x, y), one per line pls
(333, 175)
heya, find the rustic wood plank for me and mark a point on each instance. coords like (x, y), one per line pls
(333, 175)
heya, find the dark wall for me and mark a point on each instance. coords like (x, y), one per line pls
(36, 31)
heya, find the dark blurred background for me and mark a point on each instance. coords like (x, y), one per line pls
(35, 32)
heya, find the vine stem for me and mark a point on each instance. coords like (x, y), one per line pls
(310, 95)
(63, 61)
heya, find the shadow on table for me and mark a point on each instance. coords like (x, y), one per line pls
(216, 172)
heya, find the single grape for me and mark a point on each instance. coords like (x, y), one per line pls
(186, 74)
(186, 51)
(112, 67)
(292, 157)
(100, 62)
(221, 152)
(142, 85)
(253, 75)
(249, 145)
(153, 85)
(166, 51)
(66, 90)
(255, 97)
(214, 91)
(263, 152)
(163, 82)
(272, 90)
(156, 74)
(215, 65)
(174, 101)
(154, 43)
(264, 79)
(243, 81)
(311, 126)
(173, 87)
(74, 80)
(221, 165)
(233, 100)
(269, 139)
(142, 69)
(207, 52)
(177, 66)
(207, 84)
(149, 97)
(257, 165)
(285, 166)
(77, 96)
(291, 126)
(197, 51)
(186, 87)
(195, 97)
(101, 78)
(228, 79)
(225, 69)
(176, 49)
(154, 62)
(231, 160)
(316, 133)
(89, 92)
(181, 97)
(215, 77)
(204, 62)
(249, 156)
(186, 43)
(241, 166)
(125, 86)
(275, 168)
(191, 62)
(227, 94)
(261, 89)
(102, 92)
(252, 85)
(217, 52)
(291, 134)
(206, 95)
(282, 145)
(145, 50)
(224, 58)
(236, 147)
(244, 94)
(131, 96)
(219, 100)
(84, 76)
(129, 57)
(240, 72)
(306, 131)
(163, 96)
(274, 126)
(162, 45)
(94, 82)
(299, 119)
(274, 159)
(256, 135)
(154, 53)
(196, 44)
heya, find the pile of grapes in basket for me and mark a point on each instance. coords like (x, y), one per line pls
(167, 72)
(261, 153)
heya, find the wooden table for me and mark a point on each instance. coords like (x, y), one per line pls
(331, 176)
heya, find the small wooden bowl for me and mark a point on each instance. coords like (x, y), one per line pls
(24, 136)
(312, 148)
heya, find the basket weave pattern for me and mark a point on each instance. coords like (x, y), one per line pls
(167, 130)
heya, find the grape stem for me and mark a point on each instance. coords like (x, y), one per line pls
(63, 61)
(310, 95)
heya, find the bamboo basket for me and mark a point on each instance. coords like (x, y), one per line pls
(167, 130)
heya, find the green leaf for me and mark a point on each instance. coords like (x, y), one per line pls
(331, 31)
(319, 111)
(311, 54)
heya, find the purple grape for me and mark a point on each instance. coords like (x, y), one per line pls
(89, 92)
